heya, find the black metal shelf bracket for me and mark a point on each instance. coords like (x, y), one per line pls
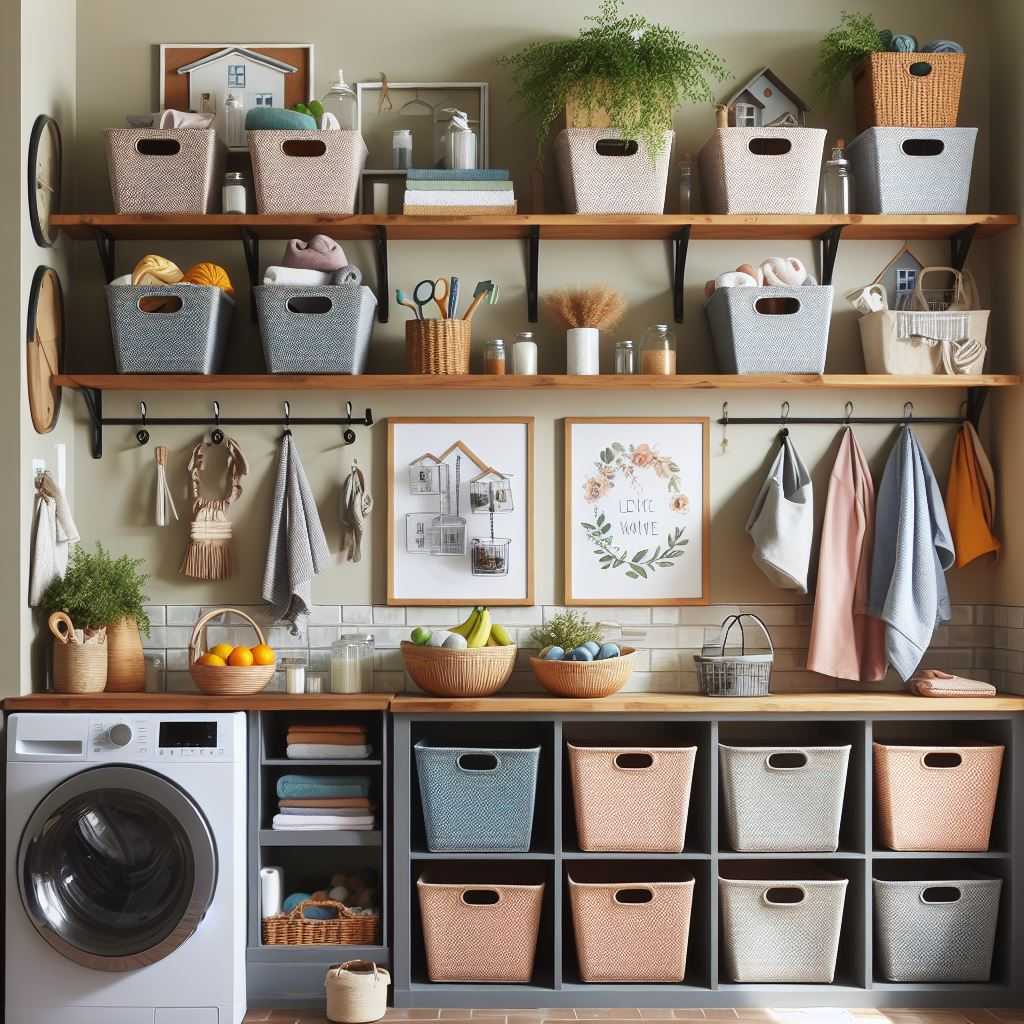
(251, 248)
(383, 286)
(532, 272)
(107, 248)
(680, 246)
(975, 405)
(960, 246)
(829, 243)
(94, 406)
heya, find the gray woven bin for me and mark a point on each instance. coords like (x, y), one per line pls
(890, 180)
(783, 799)
(191, 339)
(753, 334)
(477, 799)
(722, 673)
(936, 930)
(315, 330)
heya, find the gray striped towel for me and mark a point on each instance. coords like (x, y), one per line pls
(297, 549)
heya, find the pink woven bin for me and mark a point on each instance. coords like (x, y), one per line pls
(631, 799)
(936, 799)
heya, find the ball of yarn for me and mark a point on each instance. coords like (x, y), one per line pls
(339, 893)
(291, 902)
(320, 894)
(209, 274)
(903, 43)
(942, 46)
(155, 270)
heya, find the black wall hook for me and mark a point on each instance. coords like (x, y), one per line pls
(287, 418)
(216, 435)
(142, 434)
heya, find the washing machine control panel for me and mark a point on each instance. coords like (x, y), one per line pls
(185, 739)
(120, 739)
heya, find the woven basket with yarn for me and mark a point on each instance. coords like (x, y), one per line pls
(887, 94)
(474, 672)
(437, 346)
(226, 680)
(585, 678)
(347, 928)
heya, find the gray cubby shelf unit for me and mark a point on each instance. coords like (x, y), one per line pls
(554, 852)
(293, 976)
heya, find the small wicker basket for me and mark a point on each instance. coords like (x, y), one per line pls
(77, 667)
(475, 672)
(347, 929)
(735, 675)
(585, 679)
(908, 90)
(226, 680)
(437, 346)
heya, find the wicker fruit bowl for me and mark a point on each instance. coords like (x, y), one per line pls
(226, 680)
(585, 678)
(474, 672)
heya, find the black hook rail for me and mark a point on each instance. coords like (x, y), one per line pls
(784, 420)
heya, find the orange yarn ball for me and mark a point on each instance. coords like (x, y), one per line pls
(209, 274)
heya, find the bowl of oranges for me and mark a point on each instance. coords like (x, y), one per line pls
(226, 670)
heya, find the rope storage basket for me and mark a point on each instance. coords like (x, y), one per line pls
(735, 675)
(473, 672)
(610, 783)
(912, 90)
(770, 330)
(437, 346)
(226, 680)
(347, 928)
(585, 679)
(479, 930)
(762, 170)
(165, 170)
(357, 992)
(782, 928)
(315, 330)
(783, 799)
(78, 666)
(477, 799)
(939, 798)
(179, 328)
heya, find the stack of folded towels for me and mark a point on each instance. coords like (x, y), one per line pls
(443, 193)
(313, 264)
(312, 803)
(345, 741)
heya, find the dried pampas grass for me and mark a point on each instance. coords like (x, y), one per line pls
(601, 307)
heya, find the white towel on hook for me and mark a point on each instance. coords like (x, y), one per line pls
(53, 533)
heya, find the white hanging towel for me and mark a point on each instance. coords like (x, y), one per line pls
(781, 523)
(53, 533)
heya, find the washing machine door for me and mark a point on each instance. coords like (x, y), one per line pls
(117, 867)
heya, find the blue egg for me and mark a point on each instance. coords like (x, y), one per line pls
(554, 653)
(608, 651)
(592, 647)
(291, 902)
(581, 654)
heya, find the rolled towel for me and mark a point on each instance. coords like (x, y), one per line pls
(319, 253)
(942, 46)
(783, 272)
(182, 119)
(262, 119)
(210, 275)
(754, 272)
(299, 786)
(902, 43)
(735, 279)
(348, 274)
(156, 270)
(297, 278)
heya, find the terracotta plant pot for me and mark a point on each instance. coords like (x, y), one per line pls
(126, 667)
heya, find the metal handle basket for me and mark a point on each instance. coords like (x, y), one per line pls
(735, 675)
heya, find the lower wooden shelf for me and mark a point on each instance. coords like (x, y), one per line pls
(327, 837)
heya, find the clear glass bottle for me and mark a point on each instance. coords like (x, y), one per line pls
(494, 358)
(625, 357)
(401, 149)
(524, 355)
(352, 663)
(340, 100)
(234, 121)
(658, 351)
(685, 183)
(836, 194)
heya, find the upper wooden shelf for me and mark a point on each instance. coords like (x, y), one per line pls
(552, 226)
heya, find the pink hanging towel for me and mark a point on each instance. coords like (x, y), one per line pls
(846, 642)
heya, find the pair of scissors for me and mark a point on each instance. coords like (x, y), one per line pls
(428, 291)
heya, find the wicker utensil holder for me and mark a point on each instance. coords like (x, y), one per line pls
(77, 667)
(347, 929)
(476, 672)
(437, 346)
(226, 680)
(888, 94)
(585, 679)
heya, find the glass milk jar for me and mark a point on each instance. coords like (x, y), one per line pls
(352, 663)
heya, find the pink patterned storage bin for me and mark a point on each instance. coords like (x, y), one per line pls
(936, 798)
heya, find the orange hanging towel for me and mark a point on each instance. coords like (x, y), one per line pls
(970, 499)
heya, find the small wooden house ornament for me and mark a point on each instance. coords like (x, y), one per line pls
(765, 101)
(899, 277)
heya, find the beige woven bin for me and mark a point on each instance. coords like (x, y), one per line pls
(584, 679)
(437, 346)
(474, 672)
(77, 667)
(624, 804)
(888, 94)
(357, 992)
(936, 798)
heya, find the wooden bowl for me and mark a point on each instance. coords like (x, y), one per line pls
(585, 678)
(227, 680)
(474, 672)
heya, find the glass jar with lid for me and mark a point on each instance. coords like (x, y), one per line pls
(494, 357)
(658, 351)
(352, 663)
(625, 357)
(340, 100)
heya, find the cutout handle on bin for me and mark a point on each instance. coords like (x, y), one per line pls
(617, 147)
(480, 897)
(923, 147)
(941, 894)
(158, 147)
(160, 303)
(787, 760)
(309, 304)
(785, 895)
(478, 762)
(769, 146)
(637, 894)
(304, 147)
(920, 69)
(942, 759)
(635, 761)
(777, 305)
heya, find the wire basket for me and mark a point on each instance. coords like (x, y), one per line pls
(735, 675)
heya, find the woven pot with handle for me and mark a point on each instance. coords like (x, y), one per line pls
(437, 346)
(357, 992)
(226, 680)
(473, 672)
(77, 667)
(585, 678)
(347, 928)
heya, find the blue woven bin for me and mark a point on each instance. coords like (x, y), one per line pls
(477, 799)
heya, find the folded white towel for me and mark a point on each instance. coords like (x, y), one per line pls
(297, 277)
(419, 197)
(783, 272)
(284, 822)
(298, 751)
(362, 818)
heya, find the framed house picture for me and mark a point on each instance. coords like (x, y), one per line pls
(460, 511)
(637, 511)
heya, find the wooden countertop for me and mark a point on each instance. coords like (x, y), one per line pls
(197, 702)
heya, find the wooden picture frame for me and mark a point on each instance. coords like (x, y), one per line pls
(627, 467)
(424, 524)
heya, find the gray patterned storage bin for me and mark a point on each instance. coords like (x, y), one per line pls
(315, 330)
(936, 930)
(889, 179)
(190, 339)
(477, 799)
(749, 340)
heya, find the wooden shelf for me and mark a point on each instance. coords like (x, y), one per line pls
(196, 702)
(325, 837)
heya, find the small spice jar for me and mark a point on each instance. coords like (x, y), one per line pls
(233, 194)
(294, 675)
(524, 355)
(658, 351)
(494, 358)
(625, 357)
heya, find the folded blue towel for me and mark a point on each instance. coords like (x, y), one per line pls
(306, 786)
(439, 174)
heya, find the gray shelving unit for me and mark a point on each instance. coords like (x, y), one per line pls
(555, 851)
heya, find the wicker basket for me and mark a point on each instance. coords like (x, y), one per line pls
(735, 675)
(888, 94)
(347, 929)
(475, 672)
(229, 680)
(77, 667)
(585, 679)
(437, 346)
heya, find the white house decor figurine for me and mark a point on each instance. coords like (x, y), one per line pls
(765, 101)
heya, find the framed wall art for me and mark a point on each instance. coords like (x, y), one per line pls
(460, 511)
(637, 512)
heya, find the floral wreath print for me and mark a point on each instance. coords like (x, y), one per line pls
(623, 462)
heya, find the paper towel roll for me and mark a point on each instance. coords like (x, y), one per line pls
(271, 882)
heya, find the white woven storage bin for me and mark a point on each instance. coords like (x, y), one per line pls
(912, 170)
(762, 170)
(783, 799)
(306, 171)
(782, 930)
(165, 170)
(891, 345)
(593, 182)
(770, 330)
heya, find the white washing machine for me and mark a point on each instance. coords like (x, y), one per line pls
(125, 869)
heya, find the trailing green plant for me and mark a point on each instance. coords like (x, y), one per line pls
(843, 48)
(637, 71)
(567, 630)
(99, 590)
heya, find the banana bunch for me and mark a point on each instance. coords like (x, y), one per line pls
(480, 631)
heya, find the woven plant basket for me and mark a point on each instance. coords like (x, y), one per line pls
(437, 346)
(126, 666)
(476, 672)
(226, 680)
(77, 667)
(887, 94)
(347, 929)
(585, 679)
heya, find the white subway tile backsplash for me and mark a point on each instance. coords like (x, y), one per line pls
(666, 661)
(389, 636)
(385, 616)
(323, 636)
(664, 615)
(157, 613)
(514, 616)
(963, 615)
(357, 614)
(1015, 618)
(177, 661)
(706, 615)
(325, 615)
(780, 614)
(183, 614)
(418, 616)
